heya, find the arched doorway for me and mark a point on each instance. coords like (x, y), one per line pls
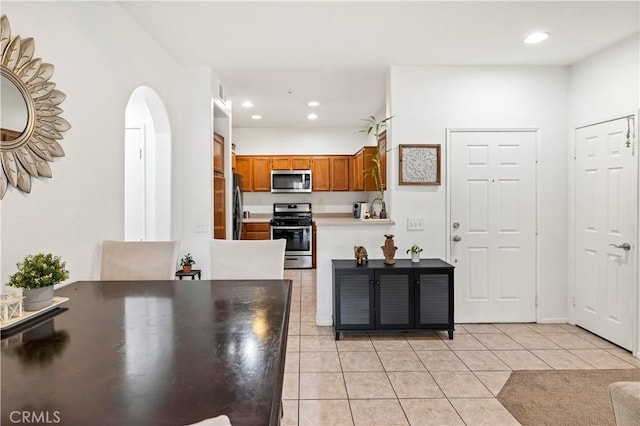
(147, 171)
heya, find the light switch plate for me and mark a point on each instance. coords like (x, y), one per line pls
(199, 227)
(415, 223)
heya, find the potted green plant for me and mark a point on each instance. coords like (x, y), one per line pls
(415, 251)
(186, 262)
(375, 128)
(36, 275)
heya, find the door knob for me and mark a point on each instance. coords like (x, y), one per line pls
(456, 225)
(623, 246)
(457, 238)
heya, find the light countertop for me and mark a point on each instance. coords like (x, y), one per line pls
(350, 221)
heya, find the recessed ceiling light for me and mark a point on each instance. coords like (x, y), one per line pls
(256, 117)
(247, 104)
(312, 116)
(314, 103)
(536, 38)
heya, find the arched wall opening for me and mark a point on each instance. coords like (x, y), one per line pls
(147, 176)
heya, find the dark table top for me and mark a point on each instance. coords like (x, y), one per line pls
(400, 264)
(153, 353)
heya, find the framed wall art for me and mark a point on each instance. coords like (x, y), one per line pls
(419, 164)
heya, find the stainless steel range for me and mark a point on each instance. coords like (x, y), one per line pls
(293, 223)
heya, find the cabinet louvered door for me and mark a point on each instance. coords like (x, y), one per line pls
(394, 296)
(354, 299)
(434, 306)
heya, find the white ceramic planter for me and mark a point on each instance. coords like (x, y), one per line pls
(37, 298)
(415, 257)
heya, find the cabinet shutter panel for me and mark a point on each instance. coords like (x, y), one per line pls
(434, 298)
(354, 299)
(394, 299)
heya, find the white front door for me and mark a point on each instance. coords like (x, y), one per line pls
(605, 218)
(493, 215)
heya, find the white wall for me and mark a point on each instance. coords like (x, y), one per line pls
(427, 100)
(301, 141)
(100, 57)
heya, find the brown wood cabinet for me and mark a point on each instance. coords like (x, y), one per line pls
(382, 147)
(300, 163)
(256, 231)
(218, 154)
(321, 173)
(361, 176)
(290, 162)
(261, 173)
(340, 173)
(280, 163)
(244, 166)
(219, 211)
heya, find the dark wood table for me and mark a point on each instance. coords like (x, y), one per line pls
(152, 353)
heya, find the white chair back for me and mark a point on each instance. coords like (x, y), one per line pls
(138, 260)
(247, 259)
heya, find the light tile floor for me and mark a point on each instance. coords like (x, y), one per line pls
(424, 378)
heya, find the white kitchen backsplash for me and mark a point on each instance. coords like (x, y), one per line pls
(321, 202)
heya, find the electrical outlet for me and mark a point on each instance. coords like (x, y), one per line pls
(199, 227)
(415, 223)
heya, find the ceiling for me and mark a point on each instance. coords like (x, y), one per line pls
(280, 55)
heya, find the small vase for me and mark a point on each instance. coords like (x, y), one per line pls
(389, 250)
(186, 269)
(415, 257)
(37, 298)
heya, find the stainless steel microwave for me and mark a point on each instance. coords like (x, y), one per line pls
(290, 180)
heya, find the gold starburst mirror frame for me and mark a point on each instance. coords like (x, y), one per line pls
(30, 122)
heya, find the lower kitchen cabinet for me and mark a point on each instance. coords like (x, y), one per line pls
(400, 297)
(256, 231)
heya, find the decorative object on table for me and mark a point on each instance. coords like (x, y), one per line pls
(389, 250)
(186, 262)
(361, 255)
(10, 307)
(376, 128)
(36, 275)
(415, 253)
(30, 138)
(41, 344)
(419, 164)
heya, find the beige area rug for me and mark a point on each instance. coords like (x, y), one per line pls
(562, 397)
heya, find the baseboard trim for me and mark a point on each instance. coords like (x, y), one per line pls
(553, 321)
(324, 321)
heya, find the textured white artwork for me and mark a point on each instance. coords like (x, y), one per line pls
(419, 165)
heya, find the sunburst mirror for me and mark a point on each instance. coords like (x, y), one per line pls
(30, 122)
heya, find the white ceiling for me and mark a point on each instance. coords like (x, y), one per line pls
(281, 55)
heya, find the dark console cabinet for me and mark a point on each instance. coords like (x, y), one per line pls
(404, 296)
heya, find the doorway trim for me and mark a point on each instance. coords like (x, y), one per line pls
(571, 223)
(448, 178)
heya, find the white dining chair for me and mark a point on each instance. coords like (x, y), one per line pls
(247, 259)
(138, 260)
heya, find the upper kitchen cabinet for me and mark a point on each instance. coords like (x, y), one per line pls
(330, 173)
(261, 173)
(280, 163)
(321, 173)
(363, 163)
(244, 167)
(290, 162)
(340, 173)
(218, 155)
(300, 163)
(382, 148)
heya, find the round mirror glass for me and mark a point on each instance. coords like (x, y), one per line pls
(13, 111)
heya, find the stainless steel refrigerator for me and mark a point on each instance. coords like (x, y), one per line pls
(237, 206)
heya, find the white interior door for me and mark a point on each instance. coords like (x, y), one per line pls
(606, 214)
(493, 215)
(135, 214)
